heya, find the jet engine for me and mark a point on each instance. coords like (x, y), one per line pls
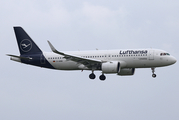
(110, 67)
(126, 71)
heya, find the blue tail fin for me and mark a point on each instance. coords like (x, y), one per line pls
(25, 43)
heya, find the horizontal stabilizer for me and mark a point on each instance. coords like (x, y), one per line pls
(19, 57)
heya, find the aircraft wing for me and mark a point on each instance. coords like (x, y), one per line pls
(90, 63)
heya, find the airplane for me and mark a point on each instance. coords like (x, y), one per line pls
(122, 62)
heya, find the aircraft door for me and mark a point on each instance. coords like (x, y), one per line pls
(42, 59)
(151, 55)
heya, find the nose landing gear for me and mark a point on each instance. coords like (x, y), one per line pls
(153, 75)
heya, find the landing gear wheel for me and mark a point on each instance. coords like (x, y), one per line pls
(92, 76)
(102, 77)
(154, 75)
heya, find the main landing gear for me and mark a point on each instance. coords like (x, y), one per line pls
(153, 75)
(92, 76)
(101, 77)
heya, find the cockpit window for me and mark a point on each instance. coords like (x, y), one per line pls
(164, 54)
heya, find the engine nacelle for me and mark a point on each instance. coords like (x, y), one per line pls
(110, 67)
(126, 71)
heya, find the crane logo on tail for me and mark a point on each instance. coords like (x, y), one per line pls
(26, 45)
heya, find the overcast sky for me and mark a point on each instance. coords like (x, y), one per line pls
(33, 93)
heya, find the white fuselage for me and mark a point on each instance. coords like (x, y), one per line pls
(136, 58)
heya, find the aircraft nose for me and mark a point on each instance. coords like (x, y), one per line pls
(173, 60)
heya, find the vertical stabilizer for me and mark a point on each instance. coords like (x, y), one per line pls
(25, 43)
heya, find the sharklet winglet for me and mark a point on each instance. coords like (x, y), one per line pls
(54, 50)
